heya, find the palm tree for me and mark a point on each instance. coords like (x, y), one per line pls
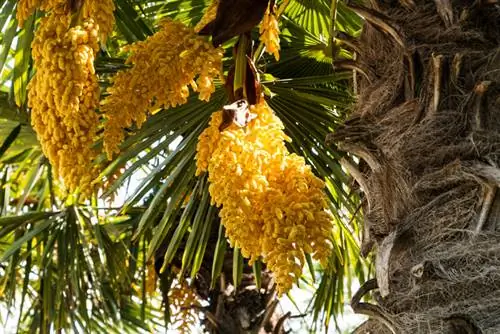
(426, 129)
(70, 264)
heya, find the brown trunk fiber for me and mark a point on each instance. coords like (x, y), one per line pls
(231, 310)
(427, 127)
(243, 309)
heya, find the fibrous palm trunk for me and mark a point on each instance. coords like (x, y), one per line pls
(241, 308)
(427, 128)
(231, 308)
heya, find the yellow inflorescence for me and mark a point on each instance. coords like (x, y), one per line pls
(272, 205)
(26, 7)
(64, 93)
(183, 302)
(208, 16)
(270, 33)
(101, 11)
(164, 66)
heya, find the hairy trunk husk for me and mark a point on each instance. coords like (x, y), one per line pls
(427, 128)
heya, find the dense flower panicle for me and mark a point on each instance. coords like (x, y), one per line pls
(64, 92)
(272, 204)
(26, 7)
(101, 11)
(208, 16)
(270, 33)
(63, 96)
(164, 66)
(183, 302)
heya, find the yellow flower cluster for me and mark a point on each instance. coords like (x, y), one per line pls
(164, 66)
(272, 205)
(101, 11)
(63, 96)
(183, 302)
(64, 93)
(270, 33)
(208, 16)
(26, 7)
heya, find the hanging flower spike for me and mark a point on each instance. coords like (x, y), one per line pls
(270, 32)
(163, 68)
(272, 204)
(64, 93)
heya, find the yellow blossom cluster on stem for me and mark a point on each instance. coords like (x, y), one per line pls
(183, 302)
(64, 93)
(270, 33)
(164, 66)
(101, 11)
(273, 206)
(26, 7)
(208, 16)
